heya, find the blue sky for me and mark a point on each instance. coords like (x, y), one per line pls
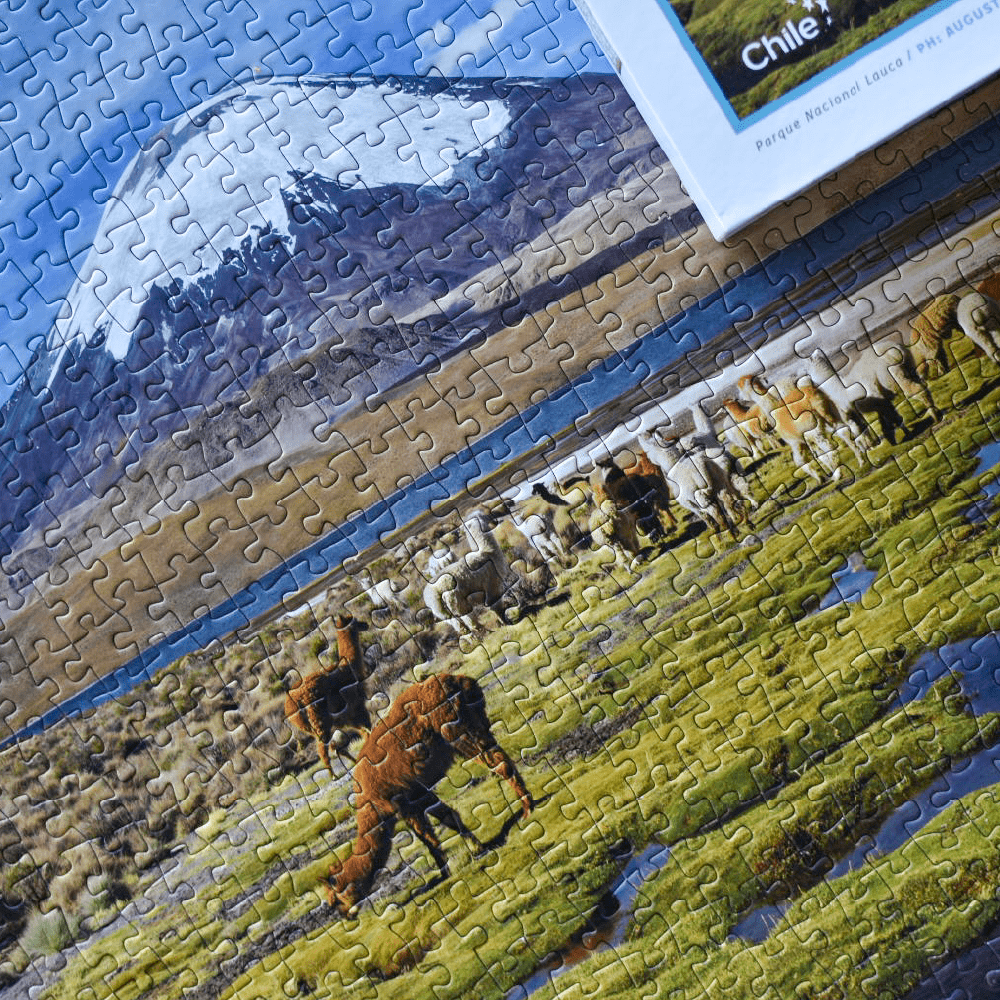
(87, 84)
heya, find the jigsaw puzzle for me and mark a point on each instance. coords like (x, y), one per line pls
(432, 566)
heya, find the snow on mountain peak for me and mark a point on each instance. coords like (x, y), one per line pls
(210, 178)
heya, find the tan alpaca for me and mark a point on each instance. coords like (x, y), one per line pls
(334, 697)
(802, 416)
(753, 429)
(935, 324)
(403, 757)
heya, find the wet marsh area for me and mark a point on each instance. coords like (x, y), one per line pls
(809, 752)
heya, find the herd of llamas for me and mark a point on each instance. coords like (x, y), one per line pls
(443, 717)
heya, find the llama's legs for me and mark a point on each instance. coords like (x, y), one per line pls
(863, 435)
(473, 747)
(912, 387)
(744, 493)
(443, 812)
(417, 822)
(726, 514)
(427, 803)
(725, 508)
(324, 753)
(503, 767)
(824, 448)
(668, 515)
(849, 435)
(799, 458)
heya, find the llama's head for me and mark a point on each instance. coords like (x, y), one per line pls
(345, 620)
(349, 629)
(669, 442)
(342, 898)
(541, 490)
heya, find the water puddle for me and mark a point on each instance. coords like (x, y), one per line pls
(757, 925)
(850, 583)
(979, 510)
(613, 917)
(978, 662)
(988, 457)
(972, 975)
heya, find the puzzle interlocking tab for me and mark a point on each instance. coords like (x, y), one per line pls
(433, 566)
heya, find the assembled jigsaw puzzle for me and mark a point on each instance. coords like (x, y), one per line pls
(432, 566)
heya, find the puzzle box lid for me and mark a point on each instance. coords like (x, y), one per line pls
(755, 100)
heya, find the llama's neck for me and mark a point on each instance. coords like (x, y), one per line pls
(702, 422)
(348, 648)
(370, 852)
(480, 537)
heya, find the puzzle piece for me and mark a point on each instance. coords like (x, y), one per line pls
(379, 420)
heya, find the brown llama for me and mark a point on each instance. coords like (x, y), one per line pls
(334, 697)
(408, 752)
(650, 481)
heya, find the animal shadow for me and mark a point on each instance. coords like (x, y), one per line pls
(494, 843)
(501, 836)
(691, 530)
(924, 424)
(755, 466)
(981, 393)
(431, 883)
(533, 607)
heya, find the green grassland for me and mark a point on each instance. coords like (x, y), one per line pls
(755, 736)
(720, 29)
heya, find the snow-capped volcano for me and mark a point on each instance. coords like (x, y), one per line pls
(283, 262)
(314, 242)
(275, 329)
(228, 170)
